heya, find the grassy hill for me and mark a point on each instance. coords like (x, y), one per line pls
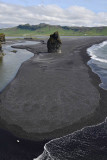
(45, 29)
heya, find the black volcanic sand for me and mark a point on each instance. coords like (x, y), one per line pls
(52, 95)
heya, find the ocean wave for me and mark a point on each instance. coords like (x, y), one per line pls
(98, 62)
(92, 51)
(88, 143)
(102, 44)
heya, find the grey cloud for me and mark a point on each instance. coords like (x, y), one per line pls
(12, 15)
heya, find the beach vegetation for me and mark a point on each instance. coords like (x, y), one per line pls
(14, 51)
(46, 29)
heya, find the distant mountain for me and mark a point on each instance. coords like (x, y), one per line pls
(46, 29)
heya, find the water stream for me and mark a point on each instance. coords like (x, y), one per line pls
(12, 60)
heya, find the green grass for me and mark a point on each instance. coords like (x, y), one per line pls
(48, 29)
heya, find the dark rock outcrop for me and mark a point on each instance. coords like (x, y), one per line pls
(2, 37)
(1, 52)
(54, 43)
(0, 46)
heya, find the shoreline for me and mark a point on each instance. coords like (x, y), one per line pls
(94, 117)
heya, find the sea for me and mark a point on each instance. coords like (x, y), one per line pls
(98, 62)
(89, 143)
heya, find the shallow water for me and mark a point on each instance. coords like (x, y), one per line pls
(98, 62)
(11, 62)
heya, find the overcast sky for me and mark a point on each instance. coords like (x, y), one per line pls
(57, 12)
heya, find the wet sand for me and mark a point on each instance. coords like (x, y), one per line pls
(54, 94)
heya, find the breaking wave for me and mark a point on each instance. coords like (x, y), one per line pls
(98, 62)
(88, 143)
(98, 52)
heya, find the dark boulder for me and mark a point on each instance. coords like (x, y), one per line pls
(1, 52)
(0, 46)
(54, 43)
(2, 37)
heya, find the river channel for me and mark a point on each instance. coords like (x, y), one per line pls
(12, 60)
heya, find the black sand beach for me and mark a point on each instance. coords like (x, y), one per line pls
(54, 94)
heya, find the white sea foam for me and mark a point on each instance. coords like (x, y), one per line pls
(98, 62)
(38, 158)
(47, 154)
(102, 44)
(92, 52)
